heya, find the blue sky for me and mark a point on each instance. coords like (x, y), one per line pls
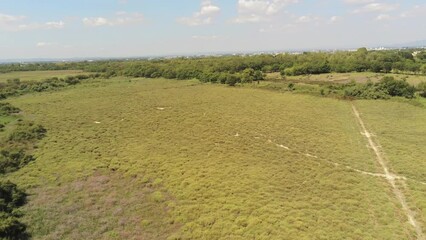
(124, 28)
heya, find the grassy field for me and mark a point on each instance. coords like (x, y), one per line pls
(347, 77)
(158, 159)
(401, 129)
(38, 75)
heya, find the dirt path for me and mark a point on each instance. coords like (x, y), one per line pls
(391, 178)
(373, 174)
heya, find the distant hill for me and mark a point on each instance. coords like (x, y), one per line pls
(415, 44)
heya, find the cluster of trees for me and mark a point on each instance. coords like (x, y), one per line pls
(384, 89)
(14, 154)
(231, 70)
(362, 60)
(408, 61)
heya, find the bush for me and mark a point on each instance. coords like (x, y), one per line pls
(6, 109)
(11, 227)
(11, 198)
(365, 91)
(27, 131)
(386, 88)
(11, 161)
(422, 88)
(232, 80)
(396, 87)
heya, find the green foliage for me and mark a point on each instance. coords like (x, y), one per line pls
(232, 79)
(216, 184)
(26, 131)
(288, 64)
(6, 109)
(384, 89)
(247, 75)
(396, 87)
(422, 89)
(14, 81)
(13, 156)
(11, 161)
(365, 91)
(11, 198)
(16, 87)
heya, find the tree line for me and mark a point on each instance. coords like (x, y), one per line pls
(398, 61)
(231, 69)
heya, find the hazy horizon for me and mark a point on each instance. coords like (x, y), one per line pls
(130, 28)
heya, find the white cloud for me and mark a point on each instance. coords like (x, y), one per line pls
(54, 25)
(416, 11)
(43, 26)
(377, 7)
(44, 44)
(304, 19)
(95, 21)
(205, 16)
(5, 19)
(17, 23)
(358, 1)
(121, 18)
(259, 10)
(383, 17)
(334, 19)
(205, 37)
(277, 28)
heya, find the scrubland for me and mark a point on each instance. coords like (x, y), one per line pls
(164, 159)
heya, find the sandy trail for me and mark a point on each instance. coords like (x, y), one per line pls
(390, 177)
(336, 164)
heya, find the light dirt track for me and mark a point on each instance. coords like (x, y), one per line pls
(390, 177)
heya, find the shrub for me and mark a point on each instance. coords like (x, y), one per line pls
(72, 80)
(232, 80)
(396, 87)
(6, 109)
(27, 131)
(10, 199)
(422, 88)
(15, 81)
(12, 161)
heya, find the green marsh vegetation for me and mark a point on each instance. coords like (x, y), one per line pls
(17, 141)
(184, 160)
(128, 155)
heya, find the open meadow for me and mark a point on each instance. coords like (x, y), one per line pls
(164, 159)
